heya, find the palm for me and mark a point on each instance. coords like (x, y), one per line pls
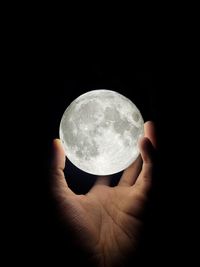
(107, 220)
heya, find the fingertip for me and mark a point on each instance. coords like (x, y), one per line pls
(150, 132)
(150, 124)
(58, 153)
(56, 142)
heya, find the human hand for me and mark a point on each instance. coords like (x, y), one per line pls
(106, 222)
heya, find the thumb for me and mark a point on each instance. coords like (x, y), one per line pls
(58, 156)
(58, 183)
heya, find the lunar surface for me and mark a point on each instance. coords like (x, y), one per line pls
(100, 130)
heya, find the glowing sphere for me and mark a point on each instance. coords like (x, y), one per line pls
(100, 130)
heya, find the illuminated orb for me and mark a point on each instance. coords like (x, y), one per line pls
(100, 130)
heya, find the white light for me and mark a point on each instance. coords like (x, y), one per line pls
(100, 131)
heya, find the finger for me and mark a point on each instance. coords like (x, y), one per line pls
(130, 175)
(144, 180)
(150, 132)
(58, 157)
(58, 182)
(103, 180)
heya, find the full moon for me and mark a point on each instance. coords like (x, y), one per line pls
(100, 130)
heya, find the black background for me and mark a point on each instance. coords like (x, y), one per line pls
(40, 109)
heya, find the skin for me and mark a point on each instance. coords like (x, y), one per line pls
(107, 221)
